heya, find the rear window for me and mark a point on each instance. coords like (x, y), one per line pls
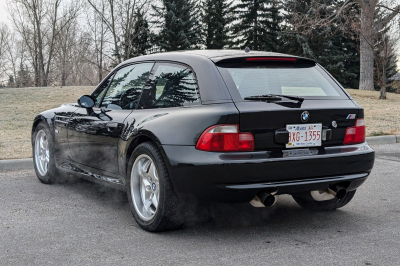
(309, 82)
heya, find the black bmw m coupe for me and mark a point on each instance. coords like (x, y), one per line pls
(210, 125)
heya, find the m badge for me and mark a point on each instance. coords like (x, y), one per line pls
(351, 116)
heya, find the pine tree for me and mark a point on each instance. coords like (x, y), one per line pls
(141, 35)
(392, 69)
(272, 40)
(258, 25)
(216, 20)
(179, 28)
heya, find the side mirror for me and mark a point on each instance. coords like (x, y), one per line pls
(87, 101)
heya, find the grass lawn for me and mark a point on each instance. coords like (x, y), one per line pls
(20, 106)
(382, 117)
(18, 109)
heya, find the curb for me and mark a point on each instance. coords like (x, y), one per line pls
(16, 164)
(27, 164)
(379, 140)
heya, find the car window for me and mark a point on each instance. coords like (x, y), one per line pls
(100, 91)
(171, 85)
(309, 82)
(126, 87)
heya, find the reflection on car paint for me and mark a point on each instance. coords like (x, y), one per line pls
(71, 167)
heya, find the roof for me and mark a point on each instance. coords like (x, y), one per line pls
(213, 55)
(230, 53)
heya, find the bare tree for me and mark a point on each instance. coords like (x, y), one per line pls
(84, 71)
(119, 18)
(384, 58)
(66, 43)
(12, 55)
(370, 26)
(99, 34)
(4, 44)
(366, 26)
(38, 23)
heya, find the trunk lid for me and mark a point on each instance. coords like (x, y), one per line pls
(264, 119)
(258, 86)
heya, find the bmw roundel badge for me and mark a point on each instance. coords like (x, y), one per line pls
(305, 116)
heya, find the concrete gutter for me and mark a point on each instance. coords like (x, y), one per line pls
(27, 164)
(16, 164)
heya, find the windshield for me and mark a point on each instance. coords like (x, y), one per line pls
(308, 82)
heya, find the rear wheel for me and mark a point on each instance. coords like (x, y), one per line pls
(308, 202)
(153, 201)
(43, 156)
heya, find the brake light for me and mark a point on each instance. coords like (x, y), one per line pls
(271, 59)
(225, 138)
(355, 134)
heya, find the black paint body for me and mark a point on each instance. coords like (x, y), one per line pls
(98, 146)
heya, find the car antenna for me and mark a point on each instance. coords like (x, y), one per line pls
(247, 50)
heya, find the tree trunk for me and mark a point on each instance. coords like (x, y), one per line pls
(99, 71)
(255, 25)
(366, 48)
(382, 95)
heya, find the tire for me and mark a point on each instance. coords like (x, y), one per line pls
(308, 203)
(152, 199)
(43, 156)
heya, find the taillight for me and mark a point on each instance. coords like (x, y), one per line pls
(355, 134)
(225, 138)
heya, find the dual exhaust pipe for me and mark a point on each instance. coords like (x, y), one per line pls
(264, 199)
(338, 191)
(267, 199)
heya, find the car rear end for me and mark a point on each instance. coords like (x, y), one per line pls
(297, 131)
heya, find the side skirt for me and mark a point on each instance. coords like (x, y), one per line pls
(81, 171)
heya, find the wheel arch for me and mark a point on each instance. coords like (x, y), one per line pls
(38, 119)
(144, 136)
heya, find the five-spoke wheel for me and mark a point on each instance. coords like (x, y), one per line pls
(153, 201)
(42, 154)
(43, 158)
(145, 187)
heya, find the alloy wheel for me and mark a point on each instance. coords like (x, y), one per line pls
(42, 153)
(144, 187)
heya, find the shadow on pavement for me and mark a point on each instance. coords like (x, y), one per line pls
(284, 216)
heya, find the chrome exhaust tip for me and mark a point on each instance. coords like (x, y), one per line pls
(264, 199)
(338, 191)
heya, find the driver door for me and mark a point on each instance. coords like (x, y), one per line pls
(93, 138)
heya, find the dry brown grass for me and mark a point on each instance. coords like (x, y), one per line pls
(382, 117)
(18, 109)
(20, 106)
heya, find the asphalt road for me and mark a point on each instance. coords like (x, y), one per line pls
(86, 224)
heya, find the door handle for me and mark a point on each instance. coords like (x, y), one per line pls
(111, 126)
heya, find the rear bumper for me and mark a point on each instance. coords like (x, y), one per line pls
(237, 177)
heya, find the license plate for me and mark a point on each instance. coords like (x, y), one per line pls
(304, 135)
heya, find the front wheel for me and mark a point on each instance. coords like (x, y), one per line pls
(308, 202)
(43, 156)
(153, 201)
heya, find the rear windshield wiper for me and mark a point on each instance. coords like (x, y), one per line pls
(274, 97)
